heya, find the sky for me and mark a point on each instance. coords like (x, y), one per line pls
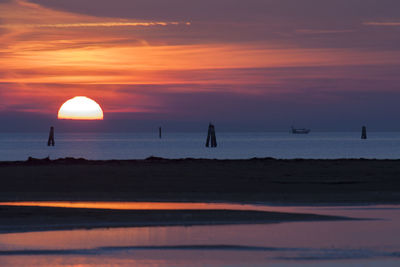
(254, 65)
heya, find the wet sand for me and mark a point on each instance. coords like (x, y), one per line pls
(308, 182)
(22, 219)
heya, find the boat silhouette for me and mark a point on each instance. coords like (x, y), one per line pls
(300, 130)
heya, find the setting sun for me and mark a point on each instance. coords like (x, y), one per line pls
(80, 108)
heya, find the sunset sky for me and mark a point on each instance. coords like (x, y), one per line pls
(245, 65)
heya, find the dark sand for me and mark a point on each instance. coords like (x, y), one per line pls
(293, 182)
(21, 219)
(256, 180)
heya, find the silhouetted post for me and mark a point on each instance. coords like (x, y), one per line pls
(364, 133)
(159, 132)
(211, 136)
(51, 142)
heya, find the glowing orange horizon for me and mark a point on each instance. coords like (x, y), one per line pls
(80, 108)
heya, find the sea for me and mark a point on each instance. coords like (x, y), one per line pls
(231, 145)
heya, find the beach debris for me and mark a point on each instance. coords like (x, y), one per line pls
(51, 142)
(36, 160)
(154, 158)
(364, 132)
(211, 136)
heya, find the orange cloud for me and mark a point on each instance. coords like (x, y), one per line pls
(123, 64)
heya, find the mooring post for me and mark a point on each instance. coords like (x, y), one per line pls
(208, 136)
(51, 142)
(211, 136)
(159, 132)
(364, 133)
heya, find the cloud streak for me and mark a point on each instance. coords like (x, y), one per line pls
(382, 23)
(96, 24)
(321, 31)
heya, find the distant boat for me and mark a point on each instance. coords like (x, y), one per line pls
(300, 130)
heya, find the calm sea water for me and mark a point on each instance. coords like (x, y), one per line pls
(382, 145)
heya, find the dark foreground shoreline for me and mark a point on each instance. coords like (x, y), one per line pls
(27, 219)
(294, 182)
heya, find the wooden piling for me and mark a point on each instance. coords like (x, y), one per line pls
(159, 132)
(364, 132)
(211, 136)
(51, 142)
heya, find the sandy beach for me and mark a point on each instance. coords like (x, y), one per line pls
(286, 182)
(293, 182)
(22, 219)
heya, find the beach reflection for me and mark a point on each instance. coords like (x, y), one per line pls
(363, 242)
(148, 205)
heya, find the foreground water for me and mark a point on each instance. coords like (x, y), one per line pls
(283, 145)
(372, 242)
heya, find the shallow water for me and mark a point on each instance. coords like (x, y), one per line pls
(372, 242)
(283, 145)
